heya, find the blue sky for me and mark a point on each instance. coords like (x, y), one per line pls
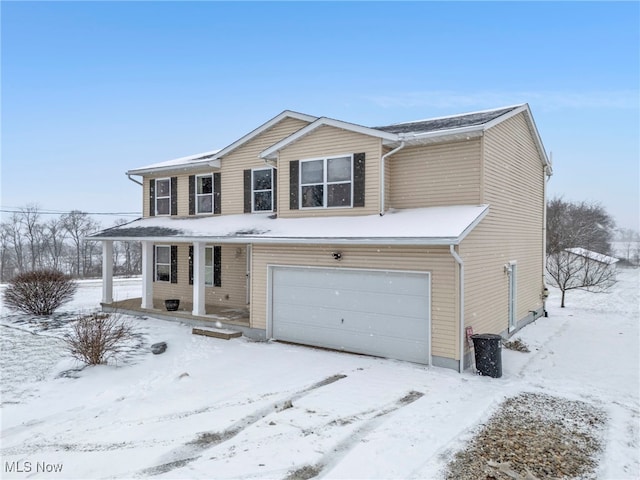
(90, 90)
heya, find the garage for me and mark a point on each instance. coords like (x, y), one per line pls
(383, 313)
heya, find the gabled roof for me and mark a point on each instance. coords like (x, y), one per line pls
(325, 121)
(473, 119)
(453, 127)
(418, 226)
(198, 160)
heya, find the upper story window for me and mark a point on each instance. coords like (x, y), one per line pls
(326, 182)
(262, 190)
(163, 196)
(204, 193)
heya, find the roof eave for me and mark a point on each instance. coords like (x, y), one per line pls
(213, 163)
(272, 152)
(242, 239)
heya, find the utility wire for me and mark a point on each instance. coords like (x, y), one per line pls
(63, 212)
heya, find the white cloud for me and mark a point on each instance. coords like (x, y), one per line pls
(548, 100)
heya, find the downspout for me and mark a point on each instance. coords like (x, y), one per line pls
(382, 180)
(133, 179)
(546, 172)
(460, 263)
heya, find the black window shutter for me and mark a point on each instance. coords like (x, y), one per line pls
(174, 195)
(152, 197)
(247, 191)
(190, 264)
(154, 258)
(174, 264)
(358, 179)
(192, 194)
(217, 197)
(294, 166)
(274, 186)
(217, 266)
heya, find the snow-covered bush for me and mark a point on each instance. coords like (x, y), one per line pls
(39, 292)
(98, 337)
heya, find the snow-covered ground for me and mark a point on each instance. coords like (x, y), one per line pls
(211, 408)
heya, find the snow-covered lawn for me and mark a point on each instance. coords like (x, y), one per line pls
(211, 408)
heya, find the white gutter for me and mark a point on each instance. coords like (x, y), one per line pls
(460, 263)
(417, 241)
(382, 163)
(133, 179)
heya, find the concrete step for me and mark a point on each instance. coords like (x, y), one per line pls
(216, 332)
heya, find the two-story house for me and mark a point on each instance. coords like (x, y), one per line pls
(386, 241)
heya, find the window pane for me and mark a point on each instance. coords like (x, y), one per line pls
(262, 179)
(163, 187)
(162, 206)
(312, 196)
(205, 204)
(208, 257)
(312, 172)
(339, 195)
(163, 273)
(339, 169)
(208, 276)
(205, 184)
(163, 254)
(262, 201)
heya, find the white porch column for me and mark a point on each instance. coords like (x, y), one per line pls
(147, 275)
(107, 271)
(198, 278)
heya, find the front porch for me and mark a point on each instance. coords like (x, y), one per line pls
(215, 316)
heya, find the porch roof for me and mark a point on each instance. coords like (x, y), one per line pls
(425, 226)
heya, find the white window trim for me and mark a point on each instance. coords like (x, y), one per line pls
(157, 197)
(325, 183)
(198, 195)
(158, 263)
(253, 198)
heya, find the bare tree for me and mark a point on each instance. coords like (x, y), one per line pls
(55, 236)
(584, 270)
(629, 241)
(578, 224)
(14, 232)
(32, 230)
(78, 225)
(5, 252)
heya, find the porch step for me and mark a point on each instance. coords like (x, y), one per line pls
(216, 332)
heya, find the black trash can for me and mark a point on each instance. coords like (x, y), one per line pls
(488, 351)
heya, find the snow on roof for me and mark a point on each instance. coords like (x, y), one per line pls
(599, 257)
(447, 123)
(176, 162)
(433, 225)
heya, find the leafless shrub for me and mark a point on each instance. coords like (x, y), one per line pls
(99, 337)
(39, 292)
(516, 344)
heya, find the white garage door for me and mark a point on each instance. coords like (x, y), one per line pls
(375, 312)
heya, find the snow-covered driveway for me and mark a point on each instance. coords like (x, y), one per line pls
(239, 409)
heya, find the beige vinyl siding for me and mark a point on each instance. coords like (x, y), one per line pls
(435, 175)
(247, 156)
(232, 168)
(512, 230)
(328, 141)
(436, 260)
(232, 293)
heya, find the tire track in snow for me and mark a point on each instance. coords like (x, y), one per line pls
(191, 451)
(333, 457)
